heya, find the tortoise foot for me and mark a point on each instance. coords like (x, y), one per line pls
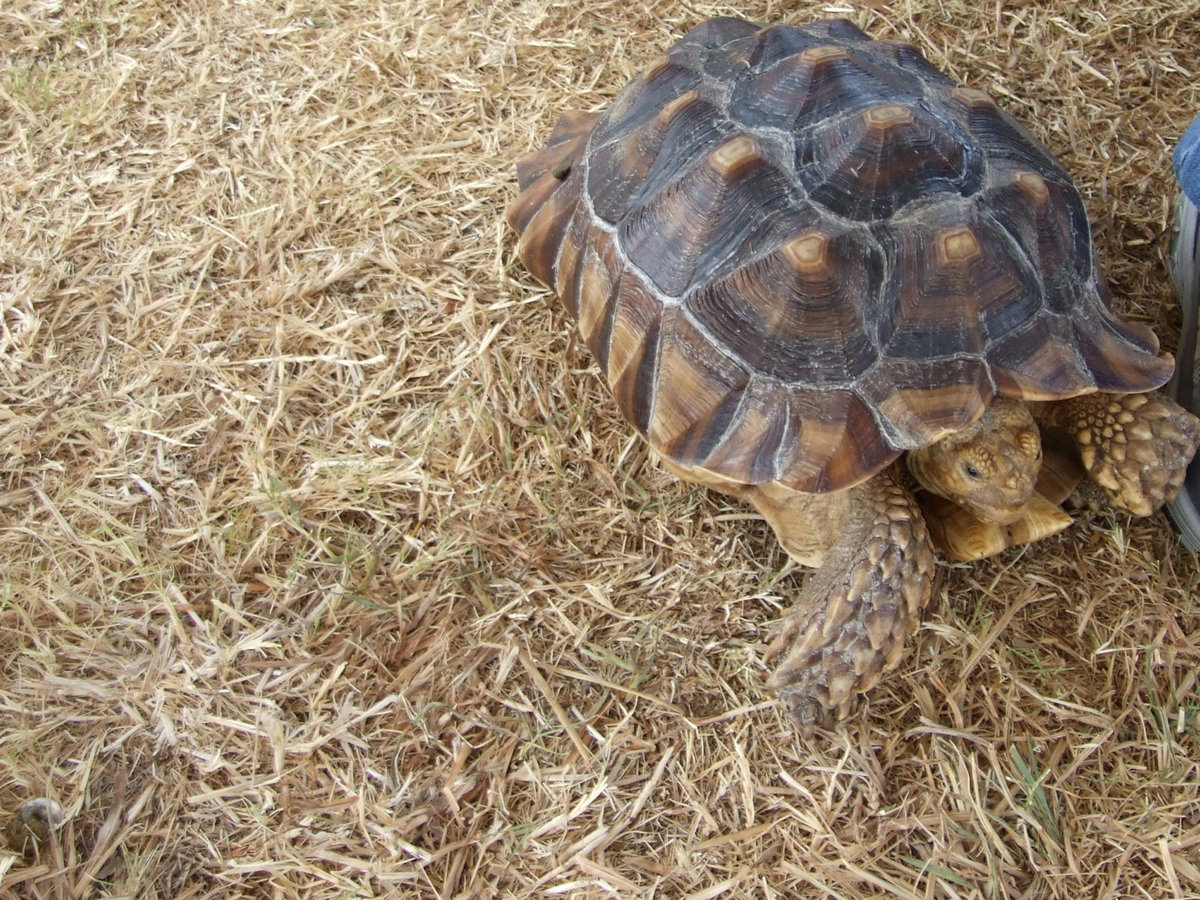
(1136, 447)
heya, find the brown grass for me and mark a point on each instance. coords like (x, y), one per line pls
(330, 571)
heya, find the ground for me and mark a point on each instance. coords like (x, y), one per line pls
(329, 569)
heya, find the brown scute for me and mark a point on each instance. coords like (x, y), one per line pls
(922, 401)
(1034, 187)
(631, 170)
(579, 238)
(576, 237)
(749, 455)
(871, 165)
(1040, 362)
(600, 276)
(909, 58)
(546, 207)
(823, 60)
(1065, 356)
(716, 32)
(633, 350)
(780, 44)
(1122, 356)
(796, 320)
(832, 442)
(646, 97)
(698, 392)
(812, 86)
(616, 169)
(522, 210)
(563, 148)
(629, 137)
(1004, 138)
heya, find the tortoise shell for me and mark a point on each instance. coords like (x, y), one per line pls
(796, 252)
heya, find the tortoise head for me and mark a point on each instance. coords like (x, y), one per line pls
(990, 467)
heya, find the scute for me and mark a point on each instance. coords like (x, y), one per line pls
(797, 313)
(687, 229)
(1050, 223)
(924, 400)
(871, 165)
(796, 252)
(955, 287)
(636, 164)
(687, 424)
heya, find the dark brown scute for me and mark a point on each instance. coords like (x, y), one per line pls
(546, 208)
(1057, 356)
(779, 44)
(871, 165)
(626, 146)
(797, 313)
(542, 211)
(716, 32)
(1001, 136)
(752, 455)
(676, 140)
(692, 223)
(633, 349)
(913, 60)
(1116, 353)
(818, 84)
(955, 286)
(1051, 228)
(1040, 361)
(586, 268)
(568, 267)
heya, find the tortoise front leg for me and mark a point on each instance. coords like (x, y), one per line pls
(1134, 446)
(851, 620)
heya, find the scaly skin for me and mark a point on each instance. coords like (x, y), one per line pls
(851, 620)
(1136, 447)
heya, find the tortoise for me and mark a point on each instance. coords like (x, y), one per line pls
(824, 277)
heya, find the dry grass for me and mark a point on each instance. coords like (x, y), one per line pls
(329, 570)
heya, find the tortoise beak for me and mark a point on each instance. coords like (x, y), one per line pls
(1003, 515)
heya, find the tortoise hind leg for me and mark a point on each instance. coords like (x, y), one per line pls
(1134, 446)
(851, 620)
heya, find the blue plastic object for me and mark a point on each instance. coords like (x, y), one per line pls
(1187, 161)
(1185, 267)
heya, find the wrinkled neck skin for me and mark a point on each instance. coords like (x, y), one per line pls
(990, 467)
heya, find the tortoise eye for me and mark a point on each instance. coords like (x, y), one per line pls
(972, 471)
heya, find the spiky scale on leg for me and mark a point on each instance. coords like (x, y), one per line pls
(1135, 446)
(851, 620)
